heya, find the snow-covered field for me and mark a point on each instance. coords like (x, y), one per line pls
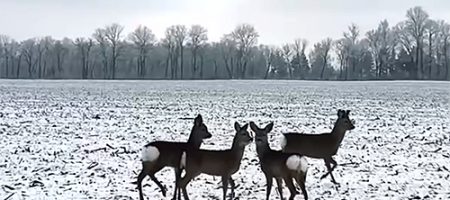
(82, 139)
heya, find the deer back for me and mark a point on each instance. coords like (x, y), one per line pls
(220, 162)
(319, 145)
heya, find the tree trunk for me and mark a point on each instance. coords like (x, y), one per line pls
(181, 61)
(18, 66)
(194, 63)
(215, 69)
(421, 63)
(417, 67)
(88, 68)
(244, 69)
(323, 68)
(113, 64)
(201, 66)
(232, 67)
(7, 65)
(446, 61)
(266, 75)
(166, 73)
(144, 66)
(230, 72)
(39, 64)
(430, 56)
(289, 69)
(346, 70)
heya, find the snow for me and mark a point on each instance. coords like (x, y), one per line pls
(83, 139)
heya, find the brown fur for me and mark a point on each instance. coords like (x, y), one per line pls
(217, 163)
(170, 155)
(322, 146)
(273, 164)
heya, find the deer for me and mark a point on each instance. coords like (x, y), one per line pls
(279, 165)
(159, 154)
(320, 146)
(223, 163)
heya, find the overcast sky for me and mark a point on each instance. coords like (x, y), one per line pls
(277, 21)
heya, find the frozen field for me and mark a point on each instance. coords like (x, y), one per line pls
(82, 139)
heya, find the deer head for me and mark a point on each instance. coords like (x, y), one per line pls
(242, 137)
(343, 121)
(199, 130)
(261, 134)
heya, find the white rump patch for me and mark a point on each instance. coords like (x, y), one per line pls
(303, 164)
(283, 142)
(183, 160)
(297, 163)
(150, 154)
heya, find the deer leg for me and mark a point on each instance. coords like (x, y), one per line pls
(269, 186)
(225, 186)
(149, 169)
(233, 186)
(280, 187)
(141, 177)
(301, 178)
(334, 163)
(328, 162)
(185, 181)
(291, 186)
(177, 179)
(163, 189)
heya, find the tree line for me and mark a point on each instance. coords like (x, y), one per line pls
(416, 48)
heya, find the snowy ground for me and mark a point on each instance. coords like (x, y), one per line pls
(82, 139)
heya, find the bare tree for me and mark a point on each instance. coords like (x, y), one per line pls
(46, 45)
(227, 48)
(287, 54)
(416, 48)
(269, 54)
(84, 47)
(198, 36)
(443, 35)
(325, 47)
(416, 27)
(431, 31)
(143, 38)
(28, 50)
(113, 34)
(5, 52)
(60, 52)
(352, 39)
(180, 36)
(170, 43)
(380, 40)
(246, 37)
(341, 52)
(300, 67)
(100, 36)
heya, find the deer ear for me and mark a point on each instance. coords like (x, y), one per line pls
(198, 120)
(269, 127)
(347, 113)
(237, 127)
(253, 126)
(245, 127)
(340, 113)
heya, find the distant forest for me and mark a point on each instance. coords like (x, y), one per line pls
(415, 49)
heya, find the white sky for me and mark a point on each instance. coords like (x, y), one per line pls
(277, 21)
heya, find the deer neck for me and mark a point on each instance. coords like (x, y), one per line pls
(338, 134)
(237, 149)
(262, 149)
(194, 141)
